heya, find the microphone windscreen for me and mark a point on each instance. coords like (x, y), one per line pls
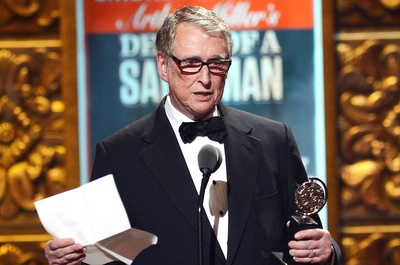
(209, 158)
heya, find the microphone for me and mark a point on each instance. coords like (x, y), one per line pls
(209, 159)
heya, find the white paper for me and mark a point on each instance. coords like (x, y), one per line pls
(91, 213)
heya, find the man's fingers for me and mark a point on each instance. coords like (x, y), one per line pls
(311, 246)
(59, 243)
(314, 234)
(64, 252)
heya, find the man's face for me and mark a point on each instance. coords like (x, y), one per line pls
(195, 95)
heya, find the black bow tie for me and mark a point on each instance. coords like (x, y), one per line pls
(213, 128)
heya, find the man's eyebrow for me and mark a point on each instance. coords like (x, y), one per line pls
(214, 57)
(218, 57)
(195, 57)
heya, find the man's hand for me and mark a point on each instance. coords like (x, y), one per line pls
(64, 252)
(312, 246)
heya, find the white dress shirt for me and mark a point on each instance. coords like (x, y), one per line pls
(190, 152)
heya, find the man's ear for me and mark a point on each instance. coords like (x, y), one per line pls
(162, 66)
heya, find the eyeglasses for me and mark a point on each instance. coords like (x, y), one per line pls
(193, 66)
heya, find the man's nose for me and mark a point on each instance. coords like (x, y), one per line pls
(205, 74)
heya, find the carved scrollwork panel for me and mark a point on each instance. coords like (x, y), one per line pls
(33, 16)
(370, 13)
(369, 129)
(32, 126)
(21, 254)
(371, 249)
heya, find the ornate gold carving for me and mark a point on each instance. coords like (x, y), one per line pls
(376, 248)
(368, 13)
(391, 4)
(369, 125)
(45, 12)
(32, 147)
(11, 254)
(368, 6)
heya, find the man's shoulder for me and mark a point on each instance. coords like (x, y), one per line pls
(248, 117)
(130, 131)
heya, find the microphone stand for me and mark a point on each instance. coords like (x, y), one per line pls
(204, 181)
(209, 159)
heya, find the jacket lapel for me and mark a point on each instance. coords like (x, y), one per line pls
(164, 158)
(242, 163)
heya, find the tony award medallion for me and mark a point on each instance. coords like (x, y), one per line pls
(310, 198)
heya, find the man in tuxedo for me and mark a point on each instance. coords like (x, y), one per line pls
(154, 163)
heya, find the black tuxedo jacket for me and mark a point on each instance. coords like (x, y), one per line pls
(263, 171)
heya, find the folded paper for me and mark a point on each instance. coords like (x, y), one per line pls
(94, 216)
